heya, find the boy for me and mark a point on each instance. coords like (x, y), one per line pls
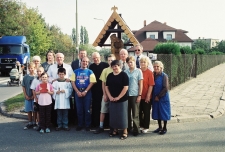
(33, 86)
(29, 98)
(62, 92)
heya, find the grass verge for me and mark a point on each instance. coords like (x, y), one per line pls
(14, 102)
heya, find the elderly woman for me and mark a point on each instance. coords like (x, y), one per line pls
(145, 104)
(134, 94)
(116, 88)
(50, 59)
(161, 101)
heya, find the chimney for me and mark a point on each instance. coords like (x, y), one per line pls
(144, 23)
(164, 23)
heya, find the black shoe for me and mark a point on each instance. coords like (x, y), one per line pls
(87, 129)
(28, 126)
(162, 132)
(58, 128)
(99, 130)
(67, 129)
(39, 128)
(135, 133)
(79, 128)
(157, 130)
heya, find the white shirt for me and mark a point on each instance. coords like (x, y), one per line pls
(53, 71)
(150, 66)
(62, 100)
(34, 84)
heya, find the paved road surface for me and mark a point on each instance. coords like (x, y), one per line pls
(207, 136)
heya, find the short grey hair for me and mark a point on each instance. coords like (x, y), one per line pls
(160, 64)
(139, 46)
(123, 50)
(36, 58)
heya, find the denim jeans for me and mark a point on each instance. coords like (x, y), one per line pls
(83, 105)
(62, 118)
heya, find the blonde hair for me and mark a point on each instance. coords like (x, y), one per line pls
(31, 65)
(160, 64)
(144, 59)
(139, 46)
(40, 68)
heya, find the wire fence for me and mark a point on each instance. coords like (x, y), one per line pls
(181, 68)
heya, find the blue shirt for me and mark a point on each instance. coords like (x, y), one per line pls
(83, 77)
(134, 77)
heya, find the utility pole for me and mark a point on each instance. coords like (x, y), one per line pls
(77, 44)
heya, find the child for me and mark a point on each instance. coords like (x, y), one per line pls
(33, 86)
(62, 92)
(44, 90)
(29, 99)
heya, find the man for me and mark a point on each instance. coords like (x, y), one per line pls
(77, 63)
(123, 57)
(53, 75)
(139, 55)
(82, 81)
(105, 100)
(97, 67)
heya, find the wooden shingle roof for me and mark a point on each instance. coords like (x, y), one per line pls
(108, 28)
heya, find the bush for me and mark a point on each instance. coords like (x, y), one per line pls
(215, 53)
(199, 51)
(167, 48)
(186, 50)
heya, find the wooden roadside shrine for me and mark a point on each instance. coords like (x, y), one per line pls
(114, 28)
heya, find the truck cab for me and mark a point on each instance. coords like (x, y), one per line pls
(12, 49)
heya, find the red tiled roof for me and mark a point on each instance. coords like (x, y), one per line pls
(148, 45)
(157, 26)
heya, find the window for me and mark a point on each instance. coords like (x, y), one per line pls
(152, 36)
(169, 36)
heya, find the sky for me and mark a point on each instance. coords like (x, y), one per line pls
(201, 18)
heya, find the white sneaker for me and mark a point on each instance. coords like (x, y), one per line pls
(141, 128)
(145, 130)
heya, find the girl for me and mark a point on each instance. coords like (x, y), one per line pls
(44, 90)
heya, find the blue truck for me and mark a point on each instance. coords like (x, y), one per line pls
(12, 49)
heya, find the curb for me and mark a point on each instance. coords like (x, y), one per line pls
(10, 114)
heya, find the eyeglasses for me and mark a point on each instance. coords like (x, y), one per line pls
(155, 66)
(137, 50)
(84, 61)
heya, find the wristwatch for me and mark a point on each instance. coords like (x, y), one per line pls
(85, 91)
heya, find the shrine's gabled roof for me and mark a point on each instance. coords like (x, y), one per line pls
(108, 28)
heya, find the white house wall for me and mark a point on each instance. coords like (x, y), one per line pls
(185, 44)
(165, 35)
(152, 33)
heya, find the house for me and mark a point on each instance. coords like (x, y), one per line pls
(211, 42)
(150, 35)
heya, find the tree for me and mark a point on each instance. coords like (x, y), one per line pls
(10, 18)
(86, 39)
(221, 46)
(83, 35)
(105, 52)
(73, 35)
(201, 44)
(125, 38)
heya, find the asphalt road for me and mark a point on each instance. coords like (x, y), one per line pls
(207, 136)
(8, 91)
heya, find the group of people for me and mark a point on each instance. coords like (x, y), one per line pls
(118, 94)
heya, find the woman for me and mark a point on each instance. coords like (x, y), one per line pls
(50, 59)
(134, 94)
(145, 104)
(161, 101)
(116, 88)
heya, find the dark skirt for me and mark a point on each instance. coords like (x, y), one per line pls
(118, 117)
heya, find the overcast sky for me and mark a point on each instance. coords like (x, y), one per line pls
(201, 18)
